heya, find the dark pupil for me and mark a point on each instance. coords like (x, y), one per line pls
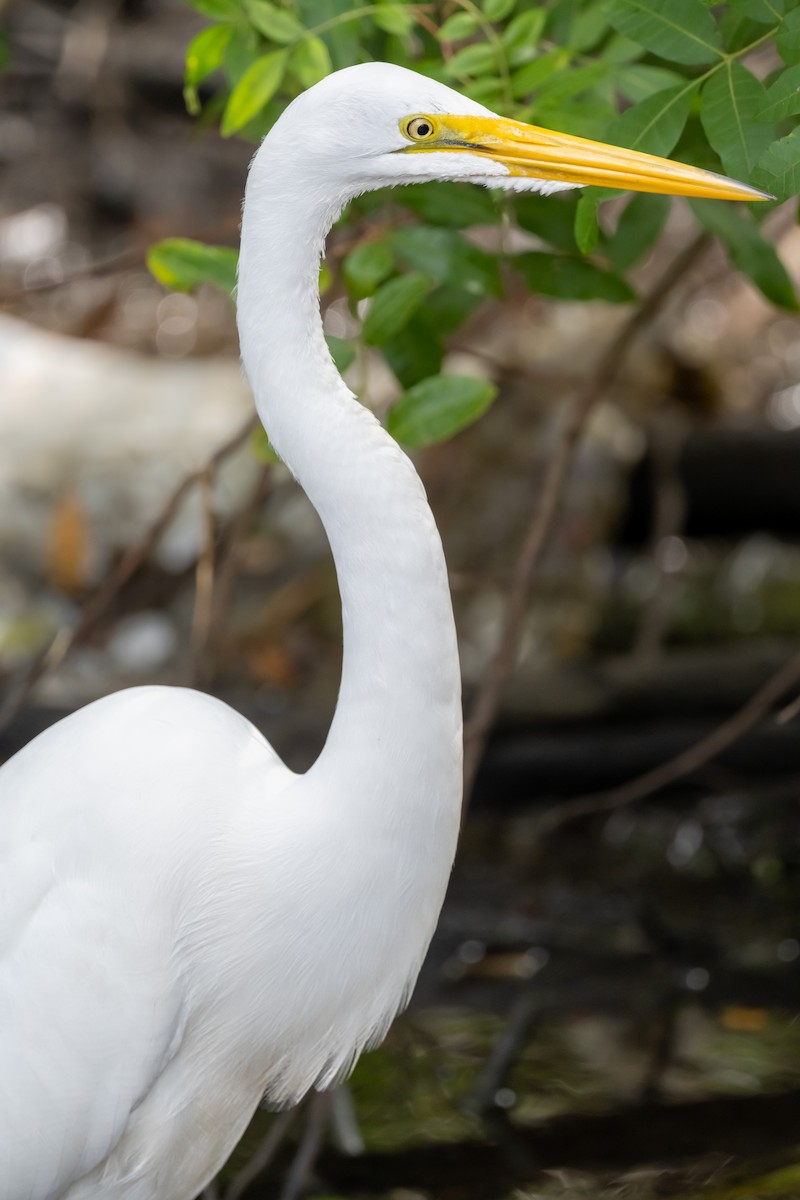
(422, 129)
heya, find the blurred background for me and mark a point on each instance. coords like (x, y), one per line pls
(610, 1007)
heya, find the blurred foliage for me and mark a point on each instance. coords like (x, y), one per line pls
(715, 86)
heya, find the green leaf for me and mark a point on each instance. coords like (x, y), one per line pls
(366, 267)
(311, 61)
(460, 25)
(788, 38)
(262, 449)
(779, 169)
(342, 351)
(730, 99)
(748, 249)
(587, 229)
(588, 27)
(655, 125)
(782, 99)
(637, 81)
(240, 53)
(394, 18)
(682, 31)
(204, 53)
(435, 409)
(764, 11)
(533, 74)
(570, 278)
(446, 257)
(415, 353)
(472, 60)
(489, 90)
(218, 10)
(458, 205)
(498, 10)
(183, 264)
(277, 24)
(393, 306)
(254, 90)
(522, 35)
(447, 308)
(637, 230)
(551, 218)
(574, 82)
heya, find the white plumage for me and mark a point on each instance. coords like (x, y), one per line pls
(185, 924)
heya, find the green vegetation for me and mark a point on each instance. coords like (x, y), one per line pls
(715, 86)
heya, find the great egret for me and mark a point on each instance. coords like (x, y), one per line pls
(186, 924)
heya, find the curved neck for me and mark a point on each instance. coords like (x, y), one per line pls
(396, 733)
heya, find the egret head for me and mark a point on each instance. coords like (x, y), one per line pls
(376, 124)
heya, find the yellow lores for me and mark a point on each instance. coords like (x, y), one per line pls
(538, 153)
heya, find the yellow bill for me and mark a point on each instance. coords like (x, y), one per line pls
(527, 150)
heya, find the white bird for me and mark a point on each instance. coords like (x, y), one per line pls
(185, 923)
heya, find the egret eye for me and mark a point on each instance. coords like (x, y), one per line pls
(419, 129)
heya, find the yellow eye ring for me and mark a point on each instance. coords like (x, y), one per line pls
(419, 129)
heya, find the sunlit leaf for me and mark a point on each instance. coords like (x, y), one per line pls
(460, 25)
(277, 24)
(393, 306)
(748, 249)
(568, 278)
(183, 264)
(472, 60)
(498, 10)
(435, 409)
(311, 61)
(522, 34)
(204, 53)
(682, 31)
(394, 18)
(218, 10)
(254, 90)
(730, 98)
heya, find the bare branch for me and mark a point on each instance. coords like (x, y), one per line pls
(542, 523)
(125, 569)
(685, 763)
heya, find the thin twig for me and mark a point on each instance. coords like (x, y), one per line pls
(228, 560)
(263, 1155)
(688, 761)
(54, 654)
(317, 1120)
(542, 523)
(205, 571)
